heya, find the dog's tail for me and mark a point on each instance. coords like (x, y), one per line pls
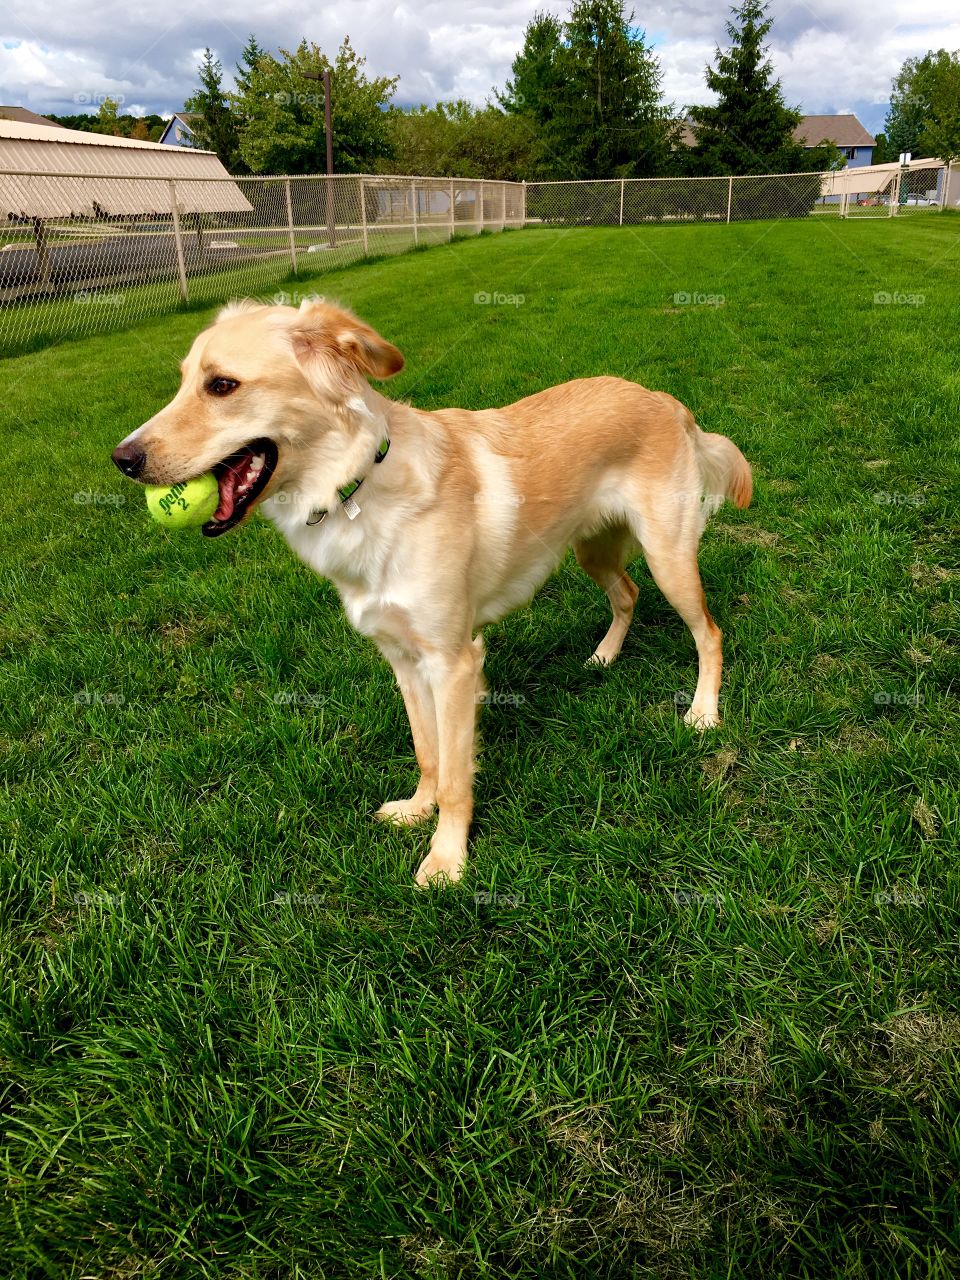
(724, 470)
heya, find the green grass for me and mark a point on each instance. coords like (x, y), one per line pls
(707, 1024)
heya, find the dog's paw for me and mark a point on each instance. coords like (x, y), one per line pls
(701, 720)
(405, 813)
(439, 869)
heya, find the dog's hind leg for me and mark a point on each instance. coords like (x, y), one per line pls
(671, 553)
(603, 556)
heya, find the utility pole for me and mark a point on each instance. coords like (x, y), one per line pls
(328, 129)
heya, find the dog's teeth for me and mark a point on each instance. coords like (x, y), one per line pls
(257, 464)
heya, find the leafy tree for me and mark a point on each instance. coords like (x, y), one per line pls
(455, 139)
(107, 118)
(127, 125)
(590, 90)
(282, 107)
(140, 131)
(215, 126)
(750, 128)
(907, 111)
(924, 114)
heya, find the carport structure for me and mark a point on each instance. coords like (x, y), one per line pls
(888, 188)
(93, 179)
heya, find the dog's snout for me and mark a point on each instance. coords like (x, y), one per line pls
(130, 458)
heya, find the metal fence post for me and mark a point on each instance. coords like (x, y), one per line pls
(622, 184)
(363, 216)
(293, 243)
(452, 207)
(503, 205)
(729, 197)
(415, 201)
(523, 211)
(481, 206)
(177, 240)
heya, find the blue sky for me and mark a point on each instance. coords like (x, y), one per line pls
(63, 56)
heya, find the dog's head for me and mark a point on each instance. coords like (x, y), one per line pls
(263, 390)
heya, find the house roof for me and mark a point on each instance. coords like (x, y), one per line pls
(96, 169)
(842, 131)
(23, 116)
(184, 118)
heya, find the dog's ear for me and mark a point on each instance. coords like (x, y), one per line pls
(330, 344)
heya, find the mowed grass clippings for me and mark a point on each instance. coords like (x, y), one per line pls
(693, 1010)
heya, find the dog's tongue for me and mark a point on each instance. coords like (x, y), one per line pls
(234, 481)
(229, 484)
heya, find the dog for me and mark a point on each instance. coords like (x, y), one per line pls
(433, 524)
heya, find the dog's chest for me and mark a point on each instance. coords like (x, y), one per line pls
(358, 557)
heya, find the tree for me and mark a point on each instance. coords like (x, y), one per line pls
(107, 118)
(282, 107)
(140, 131)
(214, 127)
(537, 80)
(883, 150)
(590, 90)
(750, 128)
(455, 139)
(250, 55)
(924, 114)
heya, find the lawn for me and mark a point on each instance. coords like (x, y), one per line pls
(694, 1010)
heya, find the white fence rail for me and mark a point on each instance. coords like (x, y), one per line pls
(87, 253)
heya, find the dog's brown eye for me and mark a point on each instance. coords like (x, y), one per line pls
(222, 386)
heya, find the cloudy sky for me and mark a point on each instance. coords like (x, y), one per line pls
(60, 55)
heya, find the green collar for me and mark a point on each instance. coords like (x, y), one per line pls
(349, 489)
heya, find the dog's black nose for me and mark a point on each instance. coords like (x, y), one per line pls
(130, 458)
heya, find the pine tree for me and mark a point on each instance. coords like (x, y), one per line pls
(215, 128)
(537, 80)
(250, 55)
(590, 89)
(750, 128)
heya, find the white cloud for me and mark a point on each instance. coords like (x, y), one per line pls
(829, 57)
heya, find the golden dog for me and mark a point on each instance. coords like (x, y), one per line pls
(432, 525)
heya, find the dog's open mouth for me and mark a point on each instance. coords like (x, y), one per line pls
(242, 478)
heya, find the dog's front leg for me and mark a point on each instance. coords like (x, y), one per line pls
(455, 680)
(422, 714)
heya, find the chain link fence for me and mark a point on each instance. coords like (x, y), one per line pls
(82, 254)
(872, 192)
(88, 253)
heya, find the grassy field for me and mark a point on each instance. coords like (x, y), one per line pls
(694, 1010)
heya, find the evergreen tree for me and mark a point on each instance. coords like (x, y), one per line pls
(250, 55)
(750, 128)
(590, 90)
(537, 80)
(215, 128)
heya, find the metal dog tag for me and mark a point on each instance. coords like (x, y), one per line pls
(351, 508)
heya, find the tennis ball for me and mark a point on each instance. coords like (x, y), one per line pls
(186, 505)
